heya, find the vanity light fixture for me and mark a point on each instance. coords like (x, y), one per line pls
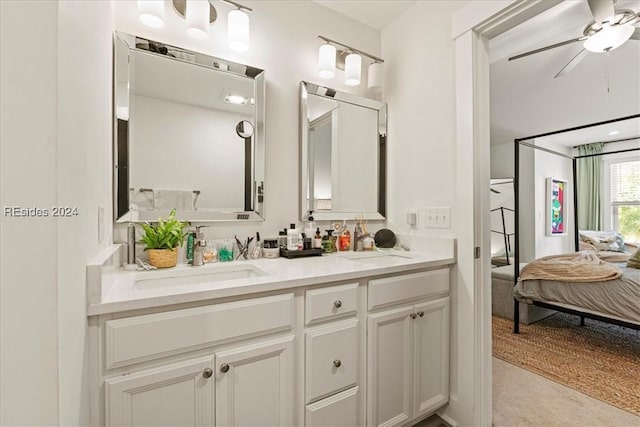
(197, 15)
(327, 61)
(348, 59)
(151, 13)
(352, 69)
(200, 14)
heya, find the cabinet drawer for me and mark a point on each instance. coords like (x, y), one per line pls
(331, 358)
(409, 286)
(340, 410)
(331, 302)
(151, 336)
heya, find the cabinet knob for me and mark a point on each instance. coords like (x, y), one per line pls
(337, 304)
(421, 313)
(413, 315)
(207, 373)
(337, 363)
(224, 368)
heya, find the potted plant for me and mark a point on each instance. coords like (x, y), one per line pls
(162, 240)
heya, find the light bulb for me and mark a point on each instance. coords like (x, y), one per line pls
(238, 31)
(197, 14)
(609, 38)
(352, 69)
(327, 61)
(151, 13)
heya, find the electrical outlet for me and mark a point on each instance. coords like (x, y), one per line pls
(412, 218)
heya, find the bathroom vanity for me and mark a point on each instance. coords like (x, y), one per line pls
(348, 339)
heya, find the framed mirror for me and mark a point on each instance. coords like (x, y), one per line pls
(342, 155)
(188, 134)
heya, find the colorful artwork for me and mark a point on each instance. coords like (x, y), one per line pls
(556, 209)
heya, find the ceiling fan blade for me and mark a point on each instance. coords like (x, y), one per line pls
(636, 34)
(602, 10)
(572, 64)
(542, 49)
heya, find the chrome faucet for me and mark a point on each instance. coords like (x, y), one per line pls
(198, 247)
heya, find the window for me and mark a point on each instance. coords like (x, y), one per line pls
(624, 205)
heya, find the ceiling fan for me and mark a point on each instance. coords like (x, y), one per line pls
(609, 30)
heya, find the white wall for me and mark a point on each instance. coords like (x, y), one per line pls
(551, 165)
(28, 294)
(419, 88)
(56, 133)
(83, 180)
(284, 43)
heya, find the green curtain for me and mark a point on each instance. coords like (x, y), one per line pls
(590, 187)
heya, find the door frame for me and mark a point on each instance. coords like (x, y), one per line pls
(472, 27)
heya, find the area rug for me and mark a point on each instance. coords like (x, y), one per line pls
(598, 359)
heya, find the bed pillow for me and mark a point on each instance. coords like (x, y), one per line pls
(603, 240)
(634, 261)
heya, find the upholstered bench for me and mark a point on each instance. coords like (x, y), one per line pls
(502, 297)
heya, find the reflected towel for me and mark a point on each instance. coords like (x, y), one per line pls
(181, 200)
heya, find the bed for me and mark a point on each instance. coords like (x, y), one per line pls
(614, 301)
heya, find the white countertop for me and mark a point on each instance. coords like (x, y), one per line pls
(122, 291)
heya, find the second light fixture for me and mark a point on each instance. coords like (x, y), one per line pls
(349, 59)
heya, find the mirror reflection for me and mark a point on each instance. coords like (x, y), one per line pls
(190, 134)
(343, 154)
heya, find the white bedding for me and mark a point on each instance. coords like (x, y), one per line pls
(619, 298)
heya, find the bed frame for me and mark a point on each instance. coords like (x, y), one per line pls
(524, 141)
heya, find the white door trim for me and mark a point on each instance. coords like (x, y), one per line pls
(472, 27)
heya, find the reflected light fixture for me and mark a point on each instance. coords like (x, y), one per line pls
(151, 13)
(197, 15)
(609, 37)
(238, 30)
(352, 69)
(235, 99)
(348, 59)
(327, 61)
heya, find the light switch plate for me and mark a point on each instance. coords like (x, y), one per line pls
(438, 217)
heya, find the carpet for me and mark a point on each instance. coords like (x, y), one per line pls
(599, 360)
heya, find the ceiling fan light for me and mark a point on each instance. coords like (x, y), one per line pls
(609, 38)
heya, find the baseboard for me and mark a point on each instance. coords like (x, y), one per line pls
(447, 419)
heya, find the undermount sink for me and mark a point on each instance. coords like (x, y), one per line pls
(196, 275)
(378, 258)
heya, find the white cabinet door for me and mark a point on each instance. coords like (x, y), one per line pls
(179, 394)
(389, 367)
(254, 384)
(431, 356)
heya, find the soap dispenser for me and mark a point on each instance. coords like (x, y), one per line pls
(310, 229)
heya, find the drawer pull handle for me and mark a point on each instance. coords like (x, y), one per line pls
(337, 363)
(413, 315)
(224, 368)
(207, 373)
(337, 304)
(421, 313)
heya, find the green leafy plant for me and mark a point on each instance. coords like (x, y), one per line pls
(167, 234)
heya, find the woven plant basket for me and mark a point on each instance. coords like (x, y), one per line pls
(163, 258)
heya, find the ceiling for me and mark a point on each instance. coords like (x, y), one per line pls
(608, 132)
(377, 14)
(526, 99)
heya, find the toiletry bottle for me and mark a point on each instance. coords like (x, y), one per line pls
(357, 232)
(317, 241)
(345, 238)
(328, 244)
(255, 253)
(292, 238)
(310, 229)
(282, 239)
(191, 239)
(225, 253)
